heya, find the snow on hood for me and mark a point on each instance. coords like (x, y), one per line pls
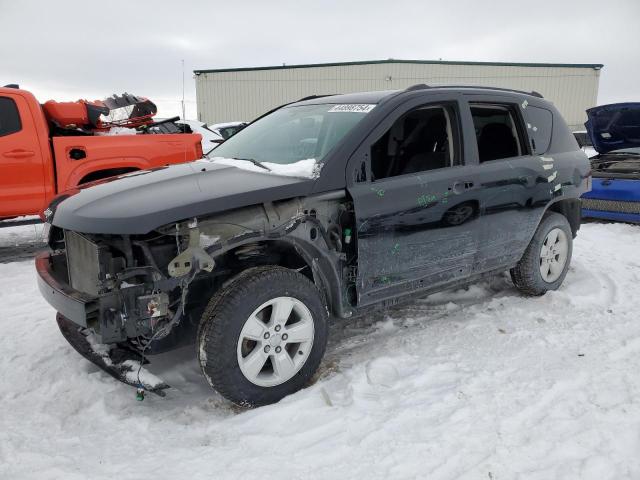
(308, 168)
(614, 127)
(138, 203)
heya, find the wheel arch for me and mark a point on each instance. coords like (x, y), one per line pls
(295, 254)
(570, 208)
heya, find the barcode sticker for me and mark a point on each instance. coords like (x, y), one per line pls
(352, 108)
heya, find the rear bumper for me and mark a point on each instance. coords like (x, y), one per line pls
(76, 306)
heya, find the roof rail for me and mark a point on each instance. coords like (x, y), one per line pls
(313, 97)
(12, 85)
(532, 93)
(417, 86)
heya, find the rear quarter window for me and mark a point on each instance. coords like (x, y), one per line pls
(539, 127)
(9, 117)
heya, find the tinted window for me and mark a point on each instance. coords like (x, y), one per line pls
(420, 140)
(9, 117)
(539, 127)
(496, 132)
(230, 131)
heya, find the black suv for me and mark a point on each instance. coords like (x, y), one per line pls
(330, 206)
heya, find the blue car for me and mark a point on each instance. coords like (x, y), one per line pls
(615, 133)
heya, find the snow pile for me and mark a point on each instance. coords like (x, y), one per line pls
(23, 234)
(590, 151)
(478, 383)
(118, 131)
(302, 169)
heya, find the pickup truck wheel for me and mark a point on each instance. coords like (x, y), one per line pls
(546, 261)
(262, 336)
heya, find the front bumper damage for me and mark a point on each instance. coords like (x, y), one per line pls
(76, 306)
(78, 314)
(121, 363)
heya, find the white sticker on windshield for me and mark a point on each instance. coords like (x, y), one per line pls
(352, 107)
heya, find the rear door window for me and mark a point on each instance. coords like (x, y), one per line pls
(9, 117)
(497, 132)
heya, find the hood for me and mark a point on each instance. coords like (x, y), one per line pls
(615, 126)
(141, 201)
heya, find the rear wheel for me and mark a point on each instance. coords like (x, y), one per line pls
(263, 335)
(546, 261)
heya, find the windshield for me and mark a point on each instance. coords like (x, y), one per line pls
(292, 134)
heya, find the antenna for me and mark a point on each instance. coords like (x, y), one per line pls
(183, 115)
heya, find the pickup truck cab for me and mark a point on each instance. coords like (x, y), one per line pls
(36, 164)
(332, 206)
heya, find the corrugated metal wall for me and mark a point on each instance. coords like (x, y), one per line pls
(243, 95)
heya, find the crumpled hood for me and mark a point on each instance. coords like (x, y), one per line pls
(139, 202)
(615, 126)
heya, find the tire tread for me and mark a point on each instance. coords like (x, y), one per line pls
(219, 313)
(525, 275)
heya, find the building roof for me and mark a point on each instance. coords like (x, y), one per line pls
(596, 66)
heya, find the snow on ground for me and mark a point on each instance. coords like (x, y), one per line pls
(480, 383)
(23, 234)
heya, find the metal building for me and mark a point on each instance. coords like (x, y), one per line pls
(245, 93)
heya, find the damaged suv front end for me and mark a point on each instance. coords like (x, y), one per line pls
(144, 294)
(115, 303)
(133, 263)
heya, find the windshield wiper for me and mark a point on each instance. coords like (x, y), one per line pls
(255, 162)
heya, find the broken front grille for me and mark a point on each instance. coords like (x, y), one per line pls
(83, 262)
(611, 205)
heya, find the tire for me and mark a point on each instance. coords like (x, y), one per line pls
(244, 325)
(543, 265)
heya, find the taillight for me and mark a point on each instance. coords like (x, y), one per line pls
(199, 150)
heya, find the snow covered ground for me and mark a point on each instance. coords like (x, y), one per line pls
(479, 383)
(22, 235)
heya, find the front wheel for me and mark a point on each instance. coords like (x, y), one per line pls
(546, 260)
(263, 335)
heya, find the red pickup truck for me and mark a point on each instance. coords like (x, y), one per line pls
(47, 149)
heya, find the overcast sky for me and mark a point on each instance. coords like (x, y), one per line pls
(82, 49)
